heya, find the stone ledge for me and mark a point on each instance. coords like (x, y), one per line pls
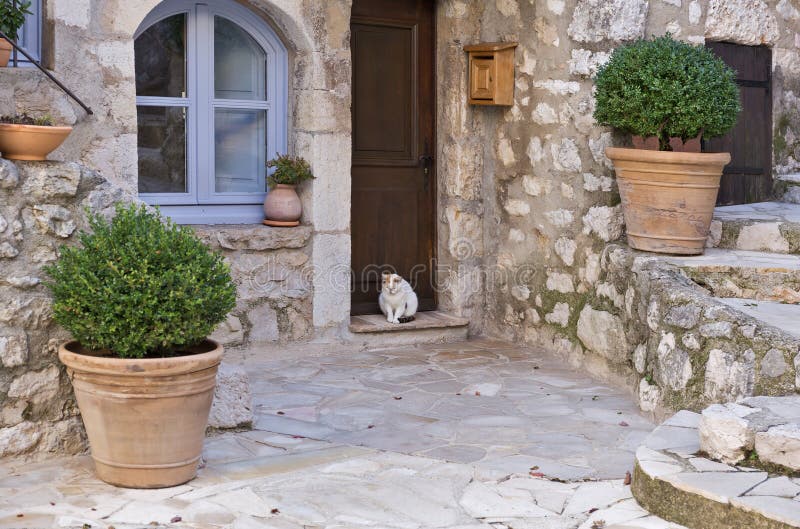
(673, 481)
(376, 323)
(253, 237)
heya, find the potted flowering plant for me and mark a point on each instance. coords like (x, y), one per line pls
(12, 17)
(140, 295)
(668, 95)
(23, 137)
(282, 206)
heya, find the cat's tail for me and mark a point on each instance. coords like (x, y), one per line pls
(406, 319)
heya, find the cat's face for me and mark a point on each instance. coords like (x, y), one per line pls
(391, 283)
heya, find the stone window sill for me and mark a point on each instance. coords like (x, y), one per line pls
(252, 237)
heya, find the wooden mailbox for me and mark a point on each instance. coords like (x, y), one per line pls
(491, 73)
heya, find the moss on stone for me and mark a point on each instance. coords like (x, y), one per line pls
(695, 512)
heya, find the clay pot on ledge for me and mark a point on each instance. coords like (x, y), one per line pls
(282, 207)
(145, 418)
(5, 52)
(30, 142)
(668, 197)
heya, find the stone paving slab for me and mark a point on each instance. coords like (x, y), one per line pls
(762, 226)
(332, 487)
(503, 408)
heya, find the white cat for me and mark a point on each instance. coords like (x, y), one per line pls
(398, 301)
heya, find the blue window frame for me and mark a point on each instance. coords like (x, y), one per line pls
(211, 97)
(30, 36)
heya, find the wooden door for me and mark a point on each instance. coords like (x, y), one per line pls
(393, 180)
(748, 178)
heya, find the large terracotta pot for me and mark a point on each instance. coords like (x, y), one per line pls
(30, 142)
(282, 204)
(668, 198)
(145, 418)
(5, 52)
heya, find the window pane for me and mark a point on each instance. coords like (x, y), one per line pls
(240, 150)
(162, 149)
(240, 64)
(160, 54)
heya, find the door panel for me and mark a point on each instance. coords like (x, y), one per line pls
(748, 178)
(393, 180)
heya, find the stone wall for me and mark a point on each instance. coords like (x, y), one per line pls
(41, 207)
(549, 198)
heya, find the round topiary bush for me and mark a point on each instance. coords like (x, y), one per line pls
(666, 88)
(140, 286)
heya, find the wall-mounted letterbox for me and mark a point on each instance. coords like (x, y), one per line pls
(491, 73)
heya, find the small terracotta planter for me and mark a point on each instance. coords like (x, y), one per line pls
(5, 52)
(145, 418)
(668, 198)
(30, 142)
(282, 207)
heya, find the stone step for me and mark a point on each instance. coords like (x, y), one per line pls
(783, 316)
(762, 226)
(674, 480)
(759, 276)
(428, 327)
(787, 188)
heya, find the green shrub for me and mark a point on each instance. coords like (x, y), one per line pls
(289, 170)
(12, 16)
(140, 285)
(666, 88)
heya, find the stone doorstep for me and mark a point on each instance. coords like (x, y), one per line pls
(761, 226)
(782, 316)
(376, 323)
(677, 486)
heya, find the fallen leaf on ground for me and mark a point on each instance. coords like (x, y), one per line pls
(176, 519)
(627, 480)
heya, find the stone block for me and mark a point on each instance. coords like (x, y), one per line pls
(603, 333)
(615, 20)
(331, 279)
(48, 180)
(9, 175)
(773, 364)
(683, 316)
(780, 445)
(229, 332)
(729, 376)
(19, 439)
(233, 404)
(263, 325)
(750, 22)
(725, 434)
(52, 219)
(35, 385)
(14, 350)
(256, 238)
(604, 221)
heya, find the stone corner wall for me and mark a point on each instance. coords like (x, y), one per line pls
(554, 276)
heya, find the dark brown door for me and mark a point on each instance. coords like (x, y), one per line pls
(393, 176)
(748, 178)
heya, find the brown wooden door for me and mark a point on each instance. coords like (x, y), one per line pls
(393, 180)
(748, 178)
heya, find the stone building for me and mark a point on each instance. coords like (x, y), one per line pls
(512, 210)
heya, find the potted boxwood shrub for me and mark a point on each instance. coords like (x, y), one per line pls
(668, 95)
(23, 137)
(139, 296)
(12, 17)
(282, 206)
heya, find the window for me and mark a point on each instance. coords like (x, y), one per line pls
(211, 84)
(29, 37)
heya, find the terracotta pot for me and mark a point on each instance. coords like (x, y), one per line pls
(30, 142)
(668, 198)
(5, 52)
(145, 418)
(282, 204)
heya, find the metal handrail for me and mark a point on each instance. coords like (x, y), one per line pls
(48, 74)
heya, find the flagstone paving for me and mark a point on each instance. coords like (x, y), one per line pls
(465, 436)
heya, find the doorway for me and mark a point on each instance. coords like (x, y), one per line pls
(394, 140)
